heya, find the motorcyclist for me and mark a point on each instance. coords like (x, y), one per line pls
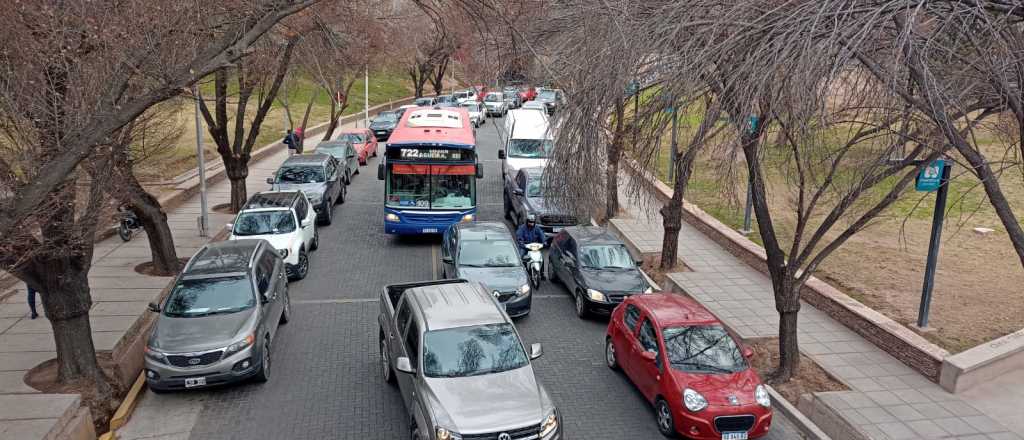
(529, 232)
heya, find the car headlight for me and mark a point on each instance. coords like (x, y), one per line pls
(595, 295)
(762, 397)
(693, 400)
(649, 290)
(239, 346)
(549, 425)
(468, 217)
(154, 355)
(444, 434)
(391, 217)
(524, 289)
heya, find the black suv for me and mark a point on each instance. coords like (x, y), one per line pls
(523, 196)
(596, 268)
(384, 124)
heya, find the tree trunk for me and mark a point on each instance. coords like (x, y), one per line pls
(612, 172)
(437, 76)
(789, 353)
(305, 119)
(333, 123)
(161, 241)
(237, 171)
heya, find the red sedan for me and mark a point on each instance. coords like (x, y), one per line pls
(527, 93)
(363, 141)
(684, 362)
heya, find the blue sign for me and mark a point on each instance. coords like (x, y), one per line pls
(632, 87)
(752, 122)
(930, 177)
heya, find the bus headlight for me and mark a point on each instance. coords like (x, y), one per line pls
(391, 217)
(468, 218)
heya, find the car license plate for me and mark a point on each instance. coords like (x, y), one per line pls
(429, 230)
(200, 381)
(556, 230)
(734, 436)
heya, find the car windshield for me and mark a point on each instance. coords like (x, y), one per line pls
(471, 106)
(192, 298)
(444, 98)
(334, 149)
(301, 174)
(488, 253)
(609, 256)
(472, 351)
(546, 95)
(494, 97)
(530, 148)
(533, 187)
(431, 186)
(354, 138)
(459, 95)
(704, 348)
(423, 102)
(386, 117)
(264, 222)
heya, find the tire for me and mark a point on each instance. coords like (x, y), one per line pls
(316, 240)
(535, 279)
(302, 269)
(387, 373)
(508, 206)
(610, 357)
(549, 269)
(124, 232)
(374, 152)
(581, 306)
(342, 195)
(328, 214)
(263, 374)
(286, 315)
(663, 415)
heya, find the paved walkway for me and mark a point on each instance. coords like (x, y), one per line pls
(120, 295)
(888, 400)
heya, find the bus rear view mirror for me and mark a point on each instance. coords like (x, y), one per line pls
(501, 154)
(479, 171)
(380, 171)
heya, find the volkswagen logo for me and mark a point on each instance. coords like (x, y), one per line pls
(504, 436)
(734, 401)
(194, 361)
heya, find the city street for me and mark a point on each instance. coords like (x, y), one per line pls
(326, 380)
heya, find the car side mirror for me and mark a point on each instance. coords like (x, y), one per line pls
(153, 307)
(648, 356)
(748, 352)
(517, 191)
(306, 223)
(404, 365)
(351, 156)
(479, 171)
(536, 351)
(380, 171)
(230, 226)
(270, 180)
(501, 154)
(264, 298)
(639, 262)
(447, 259)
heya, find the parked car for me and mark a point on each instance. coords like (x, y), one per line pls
(487, 252)
(534, 105)
(445, 101)
(286, 220)
(384, 124)
(528, 141)
(689, 367)
(218, 323)
(425, 101)
(346, 154)
(481, 92)
(461, 367)
(524, 196)
(462, 96)
(476, 114)
(363, 140)
(527, 93)
(551, 99)
(596, 269)
(495, 104)
(512, 98)
(318, 176)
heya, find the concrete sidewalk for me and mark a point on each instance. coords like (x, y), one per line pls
(888, 400)
(120, 295)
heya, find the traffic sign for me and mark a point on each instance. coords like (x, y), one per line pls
(930, 177)
(632, 87)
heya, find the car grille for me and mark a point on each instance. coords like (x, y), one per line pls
(529, 432)
(734, 423)
(617, 297)
(431, 218)
(188, 361)
(558, 220)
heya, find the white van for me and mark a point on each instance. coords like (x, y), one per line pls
(528, 139)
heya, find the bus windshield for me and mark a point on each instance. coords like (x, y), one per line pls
(431, 186)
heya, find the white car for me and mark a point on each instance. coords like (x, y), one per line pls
(495, 104)
(534, 105)
(464, 96)
(287, 221)
(476, 114)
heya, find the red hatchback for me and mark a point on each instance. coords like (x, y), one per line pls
(362, 140)
(527, 93)
(684, 362)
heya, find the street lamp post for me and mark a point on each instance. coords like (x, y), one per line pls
(366, 96)
(204, 216)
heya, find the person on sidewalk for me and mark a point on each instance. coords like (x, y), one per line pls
(292, 141)
(32, 301)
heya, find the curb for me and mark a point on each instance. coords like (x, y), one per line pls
(124, 412)
(804, 424)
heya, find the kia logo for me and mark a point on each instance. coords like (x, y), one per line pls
(734, 401)
(194, 361)
(504, 436)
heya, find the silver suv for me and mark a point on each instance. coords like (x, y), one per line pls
(218, 322)
(462, 368)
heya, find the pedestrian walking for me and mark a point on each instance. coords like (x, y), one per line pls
(32, 301)
(292, 141)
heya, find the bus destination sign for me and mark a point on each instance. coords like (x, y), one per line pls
(430, 154)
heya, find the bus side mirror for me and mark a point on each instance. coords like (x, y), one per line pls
(479, 171)
(501, 154)
(380, 171)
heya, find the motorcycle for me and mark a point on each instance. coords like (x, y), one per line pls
(129, 223)
(534, 261)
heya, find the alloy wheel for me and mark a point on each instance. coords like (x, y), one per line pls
(303, 265)
(665, 423)
(385, 362)
(579, 305)
(609, 355)
(266, 359)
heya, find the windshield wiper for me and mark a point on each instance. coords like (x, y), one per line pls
(500, 265)
(471, 265)
(705, 367)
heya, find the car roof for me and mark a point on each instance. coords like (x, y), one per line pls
(271, 199)
(481, 231)
(307, 159)
(334, 143)
(453, 305)
(588, 235)
(223, 257)
(670, 309)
